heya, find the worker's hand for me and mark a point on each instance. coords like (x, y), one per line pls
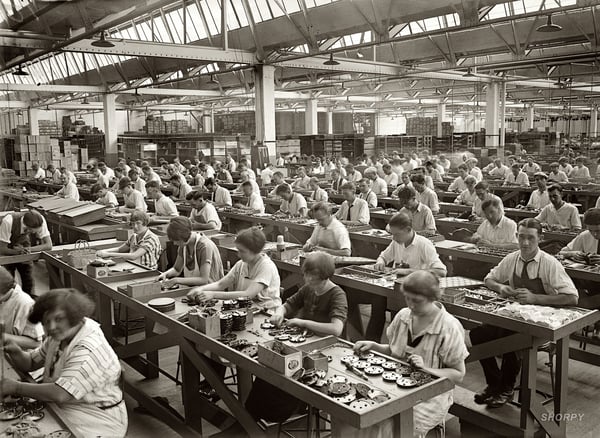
(161, 277)
(525, 296)
(11, 347)
(308, 247)
(8, 386)
(416, 361)
(169, 282)
(296, 322)
(200, 295)
(379, 266)
(578, 256)
(277, 319)
(101, 254)
(363, 346)
(507, 291)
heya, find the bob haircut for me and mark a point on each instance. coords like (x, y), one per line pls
(75, 304)
(96, 188)
(592, 216)
(319, 264)
(124, 182)
(531, 222)
(252, 239)
(179, 229)
(470, 179)
(423, 283)
(138, 215)
(400, 220)
(33, 219)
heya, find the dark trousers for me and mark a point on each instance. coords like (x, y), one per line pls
(25, 272)
(376, 321)
(503, 378)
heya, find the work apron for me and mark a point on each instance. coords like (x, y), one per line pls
(191, 270)
(534, 285)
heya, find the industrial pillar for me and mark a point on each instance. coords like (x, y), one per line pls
(34, 115)
(329, 122)
(207, 124)
(264, 86)
(441, 115)
(492, 102)
(502, 119)
(310, 118)
(529, 117)
(594, 121)
(110, 129)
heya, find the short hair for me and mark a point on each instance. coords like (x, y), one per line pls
(515, 166)
(321, 206)
(490, 202)
(419, 179)
(349, 186)
(470, 179)
(314, 180)
(592, 217)
(75, 304)
(118, 170)
(179, 229)
(124, 182)
(283, 188)
(555, 187)
(554, 164)
(278, 173)
(138, 215)
(101, 165)
(7, 281)
(247, 184)
(563, 159)
(386, 167)
(580, 158)
(463, 167)
(194, 194)
(209, 181)
(400, 220)
(175, 177)
(301, 168)
(152, 185)
(187, 162)
(482, 185)
(33, 219)
(407, 193)
(133, 172)
(365, 180)
(320, 264)
(424, 283)
(96, 188)
(531, 222)
(252, 238)
(428, 163)
(146, 169)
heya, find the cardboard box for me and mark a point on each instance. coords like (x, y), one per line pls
(210, 325)
(316, 360)
(286, 254)
(97, 271)
(136, 290)
(287, 361)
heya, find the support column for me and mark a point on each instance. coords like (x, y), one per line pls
(265, 107)
(530, 117)
(110, 129)
(207, 124)
(492, 102)
(441, 115)
(594, 121)
(502, 118)
(310, 118)
(329, 122)
(34, 115)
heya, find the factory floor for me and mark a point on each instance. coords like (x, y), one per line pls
(583, 392)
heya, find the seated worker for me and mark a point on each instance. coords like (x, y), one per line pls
(138, 183)
(82, 373)
(267, 174)
(330, 235)
(69, 175)
(198, 258)
(318, 194)
(365, 192)
(468, 196)
(378, 184)
(204, 215)
(69, 189)
(587, 241)
(473, 169)
(54, 174)
(222, 174)
(430, 339)
(529, 276)
(254, 276)
(277, 180)
(104, 176)
(195, 178)
(530, 168)
(337, 181)
(482, 190)
(151, 175)
(426, 177)
(38, 172)
(115, 181)
(143, 246)
(293, 203)
(245, 176)
(496, 230)
(104, 196)
(409, 252)
(303, 180)
(539, 197)
(445, 163)
(404, 182)
(432, 172)
(556, 175)
(352, 175)
(516, 177)
(458, 185)
(17, 230)
(134, 200)
(564, 165)
(389, 176)
(353, 211)
(580, 170)
(163, 205)
(500, 170)
(15, 307)
(180, 188)
(219, 196)
(420, 215)
(558, 212)
(425, 195)
(254, 202)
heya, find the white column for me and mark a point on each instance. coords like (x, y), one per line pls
(207, 124)
(110, 128)
(310, 118)
(594, 121)
(502, 118)
(329, 122)
(529, 117)
(492, 101)
(441, 115)
(265, 106)
(34, 115)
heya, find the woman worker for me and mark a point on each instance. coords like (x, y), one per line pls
(81, 370)
(433, 341)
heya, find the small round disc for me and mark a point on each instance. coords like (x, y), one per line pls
(390, 376)
(360, 364)
(389, 366)
(420, 376)
(406, 382)
(283, 337)
(32, 416)
(376, 360)
(339, 388)
(363, 389)
(365, 356)
(373, 370)
(349, 359)
(360, 405)
(404, 370)
(336, 378)
(160, 302)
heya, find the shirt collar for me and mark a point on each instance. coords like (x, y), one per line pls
(537, 257)
(435, 327)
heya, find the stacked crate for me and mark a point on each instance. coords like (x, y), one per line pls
(427, 126)
(49, 127)
(43, 150)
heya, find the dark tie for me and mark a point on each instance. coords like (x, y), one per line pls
(524, 273)
(348, 214)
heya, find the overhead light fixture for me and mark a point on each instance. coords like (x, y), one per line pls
(102, 42)
(20, 72)
(549, 26)
(331, 61)
(85, 101)
(469, 73)
(359, 54)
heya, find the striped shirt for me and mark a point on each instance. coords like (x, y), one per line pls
(151, 244)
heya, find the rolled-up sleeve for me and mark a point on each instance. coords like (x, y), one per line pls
(503, 271)
(555, 277)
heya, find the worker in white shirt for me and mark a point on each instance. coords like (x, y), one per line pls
(404, 182)
(318, 194)
(378, 184)
(280, 161)
(468, 196)
(516, 177)
(389, 176)
(204, 215)
(195, 178)
(230, 164)
(330, 235)
(499, 170)
(163, 205)
(445, 163)
(38, 172)
(178, 166)
(337, 181)
(559, 213)
(110, 174)
(564, 165)
(134, 200)
(420, 215)
(302, 182)
(482, 190)
(103, 177)
(69, 189)
(556, 175)
(151, 175)
(586, 243)
(138, 183)
(352, 175)
(115, 182)
(104, 196)
(245, 176)
(458, 185)
(222, 174)
(580, 171)
(437, 166)
(278, 179)
(54, 174)
(353, 211)
(267, 174)
(473, 169)
(539, 198)
(293, 203)
(180, 188)
(424, 194)
(122, 163)
(530, 167)
(243, 167)
(253, 202)
(433, 173)
(366, 193)
(427, 178)
(496, 230)
(218, 195)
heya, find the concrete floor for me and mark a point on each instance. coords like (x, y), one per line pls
(583, 392)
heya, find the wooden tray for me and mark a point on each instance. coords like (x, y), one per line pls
(84, 214)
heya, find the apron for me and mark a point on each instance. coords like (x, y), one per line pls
(193, 270)
(89, 419)
(535, 285)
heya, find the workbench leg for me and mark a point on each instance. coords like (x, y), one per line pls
(561, 381)
(244, 383)
(528, 387)
(54, 278)
(104, 313)
(190, 392)
(151, 356)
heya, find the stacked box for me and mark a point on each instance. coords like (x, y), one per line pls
(49, 127)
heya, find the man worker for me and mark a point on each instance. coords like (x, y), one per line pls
(163, 205)
(539, 197)
(330, 235)
(424, 194)
(293, 203)
(558, 212)
(420, 215)
(496, 230)
(353, 211)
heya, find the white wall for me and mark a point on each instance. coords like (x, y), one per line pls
(389, 126)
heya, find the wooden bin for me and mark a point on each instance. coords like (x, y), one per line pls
(287, 362)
